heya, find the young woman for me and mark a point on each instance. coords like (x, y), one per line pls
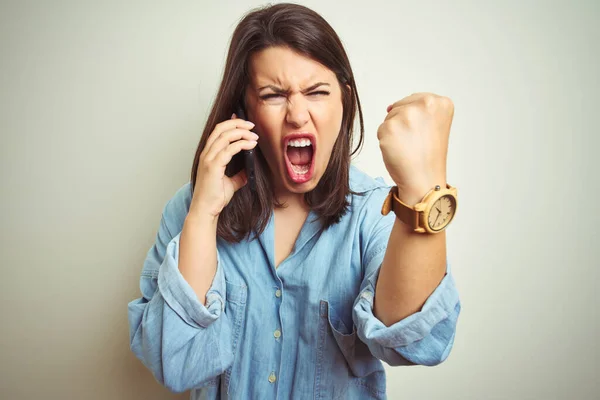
(300, 287)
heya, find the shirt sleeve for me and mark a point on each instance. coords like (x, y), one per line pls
(425, 337)
(184, 343)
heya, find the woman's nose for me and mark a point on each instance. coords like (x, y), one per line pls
(297, 112)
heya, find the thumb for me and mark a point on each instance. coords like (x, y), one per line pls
(239, 180)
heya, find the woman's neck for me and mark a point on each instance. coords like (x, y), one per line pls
(292, 201)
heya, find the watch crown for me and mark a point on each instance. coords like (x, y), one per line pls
(437, 187)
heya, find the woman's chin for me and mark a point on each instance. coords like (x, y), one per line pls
(301, 188)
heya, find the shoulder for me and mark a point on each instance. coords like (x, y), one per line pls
(177, 208)
(365, 205)
(367, 188)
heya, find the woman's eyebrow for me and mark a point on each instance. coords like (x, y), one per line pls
(277, 89)
(316, 85)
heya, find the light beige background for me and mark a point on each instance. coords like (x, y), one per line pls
(101, 108)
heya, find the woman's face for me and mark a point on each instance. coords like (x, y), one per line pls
(296, 105)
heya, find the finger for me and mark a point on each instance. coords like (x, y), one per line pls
(407, 100)
(239, 180)
(227, 126)
(395, 111)
(227, 138)
(227, 154)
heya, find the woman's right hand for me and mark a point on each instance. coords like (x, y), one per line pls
(213, 189)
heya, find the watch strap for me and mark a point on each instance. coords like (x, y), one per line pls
(405, 213)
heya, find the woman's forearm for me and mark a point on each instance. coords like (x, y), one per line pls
(413, 266)
(198, 253)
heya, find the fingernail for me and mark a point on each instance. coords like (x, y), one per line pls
(250, 123)
(255, 135)
(389, 107)
(233, 116)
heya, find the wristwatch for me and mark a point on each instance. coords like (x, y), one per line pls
(432, 214)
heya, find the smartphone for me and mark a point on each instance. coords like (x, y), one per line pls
(244, 159)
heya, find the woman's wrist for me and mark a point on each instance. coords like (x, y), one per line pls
(198, 218)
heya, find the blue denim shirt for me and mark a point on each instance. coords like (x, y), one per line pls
(303, 330)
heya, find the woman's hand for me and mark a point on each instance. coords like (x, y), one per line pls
(214, 189)
(414, 143)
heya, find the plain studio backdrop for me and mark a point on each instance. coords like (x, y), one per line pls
(101, 108)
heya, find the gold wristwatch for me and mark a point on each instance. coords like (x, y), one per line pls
(431, 215)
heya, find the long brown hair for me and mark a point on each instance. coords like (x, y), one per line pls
(307, 33)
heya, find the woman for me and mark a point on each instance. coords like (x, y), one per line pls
(291, 290)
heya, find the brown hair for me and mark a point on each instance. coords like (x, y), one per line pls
(307, 33)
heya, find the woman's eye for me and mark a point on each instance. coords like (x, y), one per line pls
(277, 95)
(270, 96)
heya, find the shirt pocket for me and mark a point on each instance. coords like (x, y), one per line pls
(235, 308)
(342, 358)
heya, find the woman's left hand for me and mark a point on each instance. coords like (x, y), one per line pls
(414, 143)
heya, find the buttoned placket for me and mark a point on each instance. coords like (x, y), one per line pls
(272, 378)
(267, 241)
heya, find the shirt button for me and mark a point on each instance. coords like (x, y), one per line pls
(272, 377)
(277, 334)
(366, 295)
(278, 293)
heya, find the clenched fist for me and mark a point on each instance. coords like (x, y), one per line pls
(413, 140)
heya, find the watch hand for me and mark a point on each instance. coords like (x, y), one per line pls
(436, 218)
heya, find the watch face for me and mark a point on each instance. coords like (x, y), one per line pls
(441, 213)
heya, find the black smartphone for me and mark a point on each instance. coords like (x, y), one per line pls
(244, 159)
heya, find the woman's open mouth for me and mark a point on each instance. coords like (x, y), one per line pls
(299, 156)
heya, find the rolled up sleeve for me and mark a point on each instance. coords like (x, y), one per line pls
(425, 337)
(184, 343)
(180, 296)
